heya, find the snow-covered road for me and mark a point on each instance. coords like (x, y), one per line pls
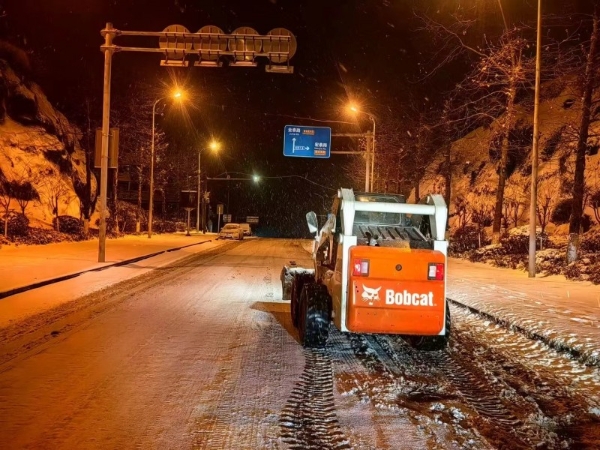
(197, 354)
(202, 354)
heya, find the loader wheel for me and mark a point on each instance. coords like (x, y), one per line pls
(313, 317)
(433, 343)
(298, 283)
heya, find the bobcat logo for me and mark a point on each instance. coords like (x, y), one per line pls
(370, 295)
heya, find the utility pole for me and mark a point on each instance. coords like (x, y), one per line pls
(108, 48)
(151, 200)
(535, 148)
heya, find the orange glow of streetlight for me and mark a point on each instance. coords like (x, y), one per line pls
(352, 108)
(178, 94)
(214, 145)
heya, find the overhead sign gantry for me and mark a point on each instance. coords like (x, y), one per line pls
(211, 48)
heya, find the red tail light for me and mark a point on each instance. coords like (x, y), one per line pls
(360, 268)
(436, 272)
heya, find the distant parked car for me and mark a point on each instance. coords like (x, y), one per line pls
(231, 231)
(246, 228)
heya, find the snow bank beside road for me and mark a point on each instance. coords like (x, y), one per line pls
(563, 313)
(22, 306)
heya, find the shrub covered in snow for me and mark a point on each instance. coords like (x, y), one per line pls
(164, 226)
(591, 241)
(40, 236)
(18, 224)
(68, 224)
(512, 252)
(128, 215)
(466, 239)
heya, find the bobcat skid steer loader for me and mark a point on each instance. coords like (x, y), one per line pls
(379, 268)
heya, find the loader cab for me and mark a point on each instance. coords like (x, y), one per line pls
(379, 218)
(332, 248)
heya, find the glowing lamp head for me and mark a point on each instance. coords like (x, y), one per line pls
(352, 108)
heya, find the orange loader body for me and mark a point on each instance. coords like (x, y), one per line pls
(396, 297)
(379, 267)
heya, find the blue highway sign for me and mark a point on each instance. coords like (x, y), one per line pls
(306, 142)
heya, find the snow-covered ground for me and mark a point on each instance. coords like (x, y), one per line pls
(27, 264)
(19, 307)
(565, 313)
(196, 355)
(199, 352)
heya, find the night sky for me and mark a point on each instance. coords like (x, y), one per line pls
(372, 51)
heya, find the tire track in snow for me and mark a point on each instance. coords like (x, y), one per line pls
(414, 391)
(308, 420)
(556, 397)
(476, 388)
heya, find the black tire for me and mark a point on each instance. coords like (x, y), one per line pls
(313, 317)
(433, 343)
(297, 284)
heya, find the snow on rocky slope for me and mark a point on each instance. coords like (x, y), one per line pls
(474, 157)
(39, 146)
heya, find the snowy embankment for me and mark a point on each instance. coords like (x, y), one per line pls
(563, 314)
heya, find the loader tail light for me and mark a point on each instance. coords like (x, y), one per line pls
(360, 267)
(436, 271)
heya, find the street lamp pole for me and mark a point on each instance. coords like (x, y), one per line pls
(151, 204)
(535, 149)
(201, 205)
(373, 152)
(368, 161)
(370, 154)
(199, 193)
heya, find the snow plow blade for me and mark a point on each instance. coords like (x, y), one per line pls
(288, 272)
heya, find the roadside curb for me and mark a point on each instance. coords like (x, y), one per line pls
(583, 357)
(39, 284)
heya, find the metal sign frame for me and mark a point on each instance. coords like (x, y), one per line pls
(243, 45)
(284, 39)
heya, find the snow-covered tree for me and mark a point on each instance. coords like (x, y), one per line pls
(548, 195)
(588, 114)
(57, 195)
(6, 197)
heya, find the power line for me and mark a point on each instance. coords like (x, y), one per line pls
(275, 177)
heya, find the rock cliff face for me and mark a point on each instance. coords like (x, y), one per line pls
(475, 157)
(39, 150)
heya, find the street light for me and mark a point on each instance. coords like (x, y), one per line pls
(178, 95)
(256, 178)
(368, 183)
(214, 146)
